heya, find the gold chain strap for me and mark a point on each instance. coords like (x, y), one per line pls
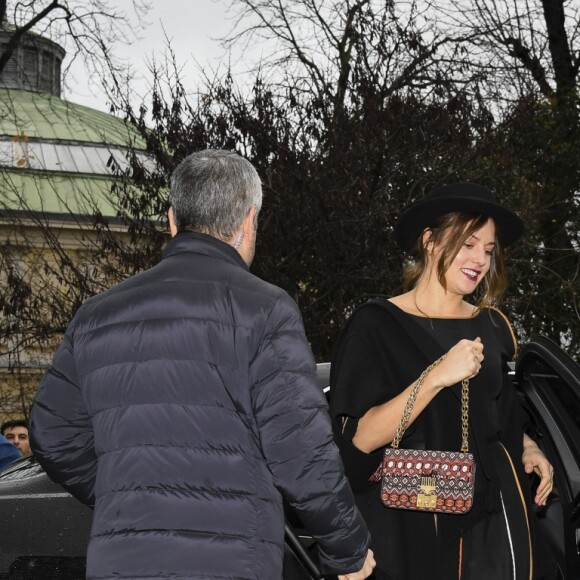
(411, 402)
(464, 415)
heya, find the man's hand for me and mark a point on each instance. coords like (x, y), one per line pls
(534, 460)
(364, 572)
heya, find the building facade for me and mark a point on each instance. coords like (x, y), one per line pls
(60, 164)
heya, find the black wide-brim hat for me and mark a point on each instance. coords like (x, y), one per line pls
(469, 198)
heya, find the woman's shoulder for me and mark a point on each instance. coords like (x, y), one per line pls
(380, 306)
(372, 318)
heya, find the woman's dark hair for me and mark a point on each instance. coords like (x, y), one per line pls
(450, 232)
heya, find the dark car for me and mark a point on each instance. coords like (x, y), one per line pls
(45, 530)
(548, 383)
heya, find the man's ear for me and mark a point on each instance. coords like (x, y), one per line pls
(172, 226)
(248, 225)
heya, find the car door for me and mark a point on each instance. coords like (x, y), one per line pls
(548, 382)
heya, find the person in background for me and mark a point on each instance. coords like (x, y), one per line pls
(184, 404)
(8, 452)
(16, 431)
(453, 284)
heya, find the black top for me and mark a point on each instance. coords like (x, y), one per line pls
(381, 351)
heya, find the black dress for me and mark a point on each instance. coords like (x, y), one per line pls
(383, 350)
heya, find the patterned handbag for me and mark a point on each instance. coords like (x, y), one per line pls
(433, 481)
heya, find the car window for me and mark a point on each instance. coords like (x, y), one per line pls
(568, 399)
(21, 469)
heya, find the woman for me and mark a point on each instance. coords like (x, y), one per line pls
(456, 236)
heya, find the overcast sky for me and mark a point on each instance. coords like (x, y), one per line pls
(191, 25)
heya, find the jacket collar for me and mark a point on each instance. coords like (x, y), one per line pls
(197, 243)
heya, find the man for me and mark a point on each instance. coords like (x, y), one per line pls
(183, 404)
(16, 431)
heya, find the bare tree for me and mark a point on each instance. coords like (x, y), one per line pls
(513, 64)
(87, 29)
(51, 263)
(335, 174)
(322, 48)
(359, 109)
(531, 49)
(527, 45)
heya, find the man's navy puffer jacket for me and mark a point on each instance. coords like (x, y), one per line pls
(181, 403)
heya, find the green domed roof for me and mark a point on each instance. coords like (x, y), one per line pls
(41, 116)
(55, 156)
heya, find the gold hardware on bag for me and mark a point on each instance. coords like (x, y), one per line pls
(427, 497)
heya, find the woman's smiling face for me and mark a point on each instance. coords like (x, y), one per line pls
(472, 262)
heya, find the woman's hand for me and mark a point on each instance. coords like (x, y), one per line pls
(378, 426)
(534, 460)
(462, 361)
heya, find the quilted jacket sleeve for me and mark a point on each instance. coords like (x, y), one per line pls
(297, 442)
(61, 434)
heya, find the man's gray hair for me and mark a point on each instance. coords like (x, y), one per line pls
(212, 192)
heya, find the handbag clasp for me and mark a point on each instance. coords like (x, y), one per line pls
(427, 498)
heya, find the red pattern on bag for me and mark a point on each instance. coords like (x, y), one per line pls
(404, 472)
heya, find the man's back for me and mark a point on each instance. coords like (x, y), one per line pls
(184, 403)
(171, 366)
